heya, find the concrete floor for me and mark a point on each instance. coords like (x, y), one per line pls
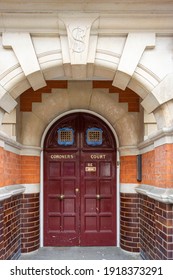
(80, 253)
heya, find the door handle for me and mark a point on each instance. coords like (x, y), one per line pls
(98, 196)
(61, 197)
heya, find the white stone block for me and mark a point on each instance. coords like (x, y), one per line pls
(10, 118)
(2, 112)
(22, 46)
(149, 118)
(132, 52)
(52, 105)
(163, 92)
(79, 94)
(7, 103)
(150, 103)
(32, 129)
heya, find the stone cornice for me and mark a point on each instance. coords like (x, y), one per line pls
(159, 194)
(158, 138)
(9, 191)
(15, 147)
(108, 24)
(127, 6)
(161, 137)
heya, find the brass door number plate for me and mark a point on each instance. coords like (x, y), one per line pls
(90, 168)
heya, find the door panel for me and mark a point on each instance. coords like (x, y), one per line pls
(61, 223)
(97, 200)
(79, 185)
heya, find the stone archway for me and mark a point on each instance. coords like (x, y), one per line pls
(51, 58)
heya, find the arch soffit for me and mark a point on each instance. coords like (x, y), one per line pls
(143, 81)
(116, 114)
(16, 84)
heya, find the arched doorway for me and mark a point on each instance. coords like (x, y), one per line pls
(79, 182)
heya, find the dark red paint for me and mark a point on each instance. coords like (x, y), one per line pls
(79, 186)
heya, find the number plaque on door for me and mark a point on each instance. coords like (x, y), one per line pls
(90, 168)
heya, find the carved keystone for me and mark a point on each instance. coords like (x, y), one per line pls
(75, 47)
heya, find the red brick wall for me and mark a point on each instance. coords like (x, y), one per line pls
(147, 227)
(19, 225)
(155, 239)
(10, 168)
(30, 95)
(129, 222)
(164, 231)
(30, 234)
(156, 229)
(148, 168)
(157, 167)
(163, 166)
(19, 217)
(16, 169)
(128, 96)
(128, 169)
(1, 166)
(1, 231)
(10, 228)
(30, 169)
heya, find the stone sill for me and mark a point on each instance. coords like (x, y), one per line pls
(159, 194)
(9, 191)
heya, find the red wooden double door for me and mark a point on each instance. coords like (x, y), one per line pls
(79, 183)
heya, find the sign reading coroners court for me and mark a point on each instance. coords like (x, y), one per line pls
(72, 156)
(58, 156)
